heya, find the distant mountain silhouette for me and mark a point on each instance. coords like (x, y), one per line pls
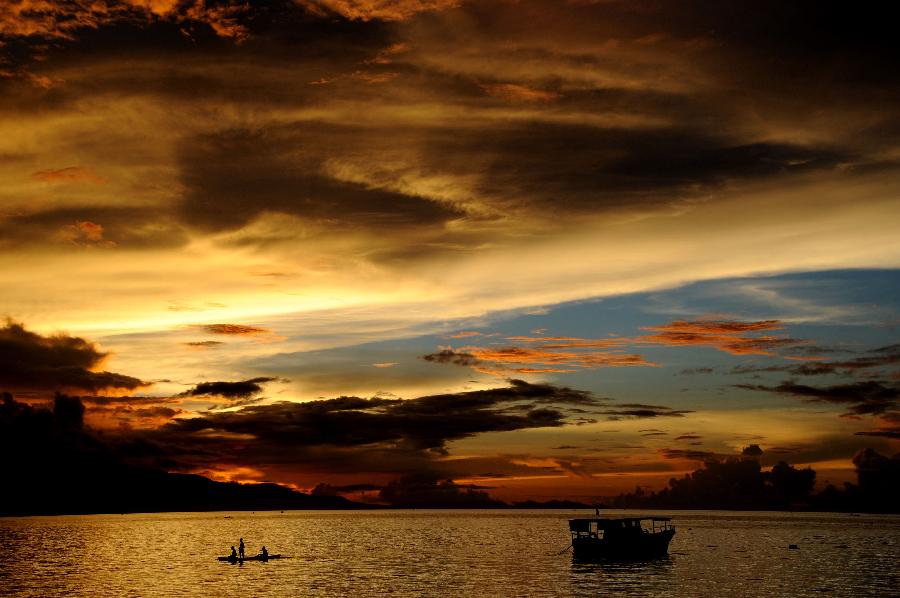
(52, 464)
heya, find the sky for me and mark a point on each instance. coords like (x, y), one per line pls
(543, 249)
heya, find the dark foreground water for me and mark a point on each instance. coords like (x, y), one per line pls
(441, 553)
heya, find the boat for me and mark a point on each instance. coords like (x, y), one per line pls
(622, 538)
(259, 557)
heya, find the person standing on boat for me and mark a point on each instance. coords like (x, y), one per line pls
(241, 548)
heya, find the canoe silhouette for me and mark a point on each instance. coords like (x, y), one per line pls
(259, 557)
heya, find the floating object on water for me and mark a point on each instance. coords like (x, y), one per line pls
(793, 547)
(624, 538)
(259, 557)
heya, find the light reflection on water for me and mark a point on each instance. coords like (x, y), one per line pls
(441, 553)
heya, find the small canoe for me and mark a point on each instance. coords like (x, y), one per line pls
(259, 557)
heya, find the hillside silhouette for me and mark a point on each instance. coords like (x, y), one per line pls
(53, 464)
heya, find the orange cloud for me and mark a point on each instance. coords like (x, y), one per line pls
(519, 93)
(388, 10)
(568, 354)
(236, 329)
(373, 78)
(85, 233)
(385, 56)
(724, 335)
(487, 360)
(61, 20)
(71, 174)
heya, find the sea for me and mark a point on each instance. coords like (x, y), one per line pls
(480, 554)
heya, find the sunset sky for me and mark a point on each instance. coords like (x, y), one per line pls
(550, 249)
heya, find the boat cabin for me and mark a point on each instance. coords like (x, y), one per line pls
(612, 529)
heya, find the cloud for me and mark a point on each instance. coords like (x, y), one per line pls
(427, 491)
(691, 455)
(324, 489)
(71, 174)
(565, 354)
(203, 344)
(889, 426)
(642, 411)
(863, 398)
(729, 336)
(891, 433)
(553, 357)
(233, 329)
(883, 357)
(519, 93)
(453, 357)
(352, 434)
(66, 20)
(287, 167)
(465, 334)
(243, 389)
(546, 358)
(390, 10)
(85, 233)
(33, 362)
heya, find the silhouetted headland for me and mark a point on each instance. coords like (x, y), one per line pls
(53, 464)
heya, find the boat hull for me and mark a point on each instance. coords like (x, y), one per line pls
(231, 559)
(641, 546)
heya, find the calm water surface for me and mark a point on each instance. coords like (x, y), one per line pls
(442, 553)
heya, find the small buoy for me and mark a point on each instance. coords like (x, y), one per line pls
(793, 547)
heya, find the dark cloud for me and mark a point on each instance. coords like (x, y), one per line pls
(693, 455)
(243, 389)
(895, 433)
(883, 357)
(352, 433)
(451, 356)
(324, 489)
(155, 412)
(862, 398)
(126, 227)
(427, 491)
(204, 344)
(688, 437)
(889, 426)
(283, 170)
(640, 167)
(641, 411)
(613, 108)
(30, 361)
(890, 349)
